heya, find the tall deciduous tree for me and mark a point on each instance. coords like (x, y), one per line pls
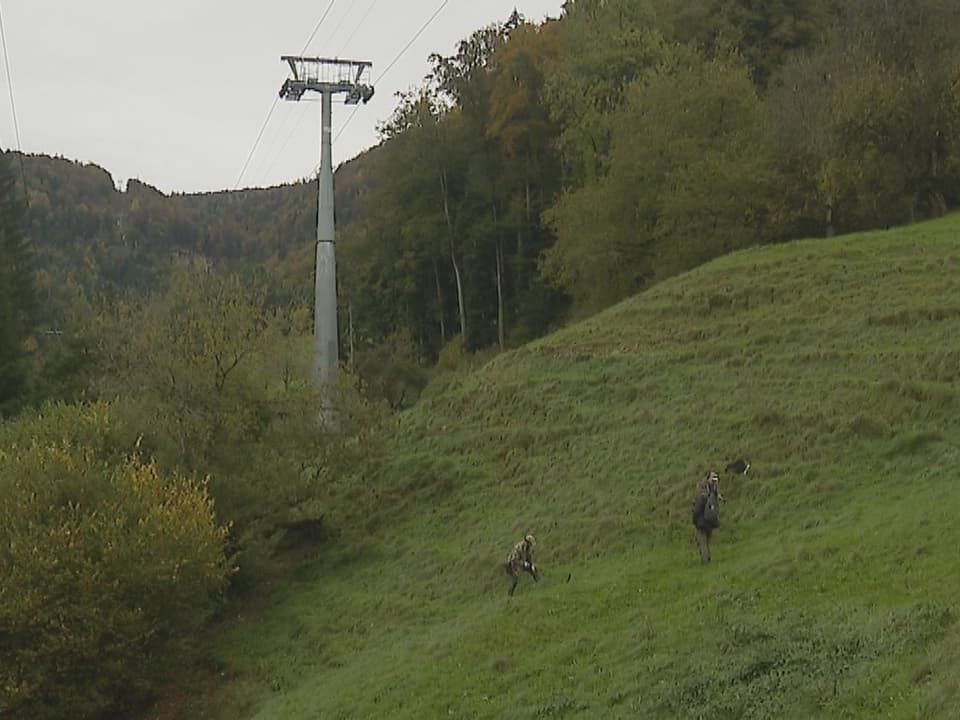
(519, 123)
(764, 32)
(685, 183)
(181, 358)
(864, 126)
(420, 201)
(603, 46)
(465, 80)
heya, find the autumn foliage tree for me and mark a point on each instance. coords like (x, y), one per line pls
(108, 567)
(685, 181)
(864, 125)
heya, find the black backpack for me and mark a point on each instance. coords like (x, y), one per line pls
(711, 511)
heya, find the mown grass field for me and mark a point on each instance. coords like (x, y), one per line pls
(833, 365)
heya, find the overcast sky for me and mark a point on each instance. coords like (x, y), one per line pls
(174, 92)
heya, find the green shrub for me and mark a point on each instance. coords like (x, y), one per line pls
(107, 568)
(452, 355)
(391, 371)
(89, 425)
(201, 376)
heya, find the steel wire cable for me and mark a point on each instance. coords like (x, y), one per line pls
(276, 100)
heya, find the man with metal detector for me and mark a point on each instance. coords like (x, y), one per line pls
(520, 560)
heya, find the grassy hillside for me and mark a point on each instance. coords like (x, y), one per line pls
(833, 365)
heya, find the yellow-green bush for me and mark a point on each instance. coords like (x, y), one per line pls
(107, 568)
(452, 355)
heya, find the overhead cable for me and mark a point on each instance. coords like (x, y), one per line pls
(256, 142)
(273, 107)
(13, 105)
(358, 26)
(317, 27)
(396, 59)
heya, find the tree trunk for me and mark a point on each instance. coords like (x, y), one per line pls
(526, 186)
(461, 309)
(500, 309)
(440, 303)
(350, 345)
(499, 275)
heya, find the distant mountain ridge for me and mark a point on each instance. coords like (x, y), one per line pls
(81, 224)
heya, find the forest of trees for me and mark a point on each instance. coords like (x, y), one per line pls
(550, 170)
(542, 172)
(545, 171)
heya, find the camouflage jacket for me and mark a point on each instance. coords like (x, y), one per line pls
(522, 553)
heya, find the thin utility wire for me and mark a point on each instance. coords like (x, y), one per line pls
(302, 114)
(412, 40)
(396, 59)
(353, 33)
(333, 33)
(276, 100)
(13, 106)
(387, 69)
(300, 118)
(256, 142)
(271, 138)
(317, 27)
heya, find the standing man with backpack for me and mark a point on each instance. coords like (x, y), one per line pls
(706, 512)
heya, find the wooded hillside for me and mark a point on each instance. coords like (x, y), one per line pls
(160, 444)
(545, 171)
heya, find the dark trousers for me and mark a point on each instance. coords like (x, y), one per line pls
(703, 543)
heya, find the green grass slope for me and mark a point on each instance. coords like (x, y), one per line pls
(833, 365)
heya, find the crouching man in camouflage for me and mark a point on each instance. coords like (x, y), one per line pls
(706, 512)
(521, 560)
